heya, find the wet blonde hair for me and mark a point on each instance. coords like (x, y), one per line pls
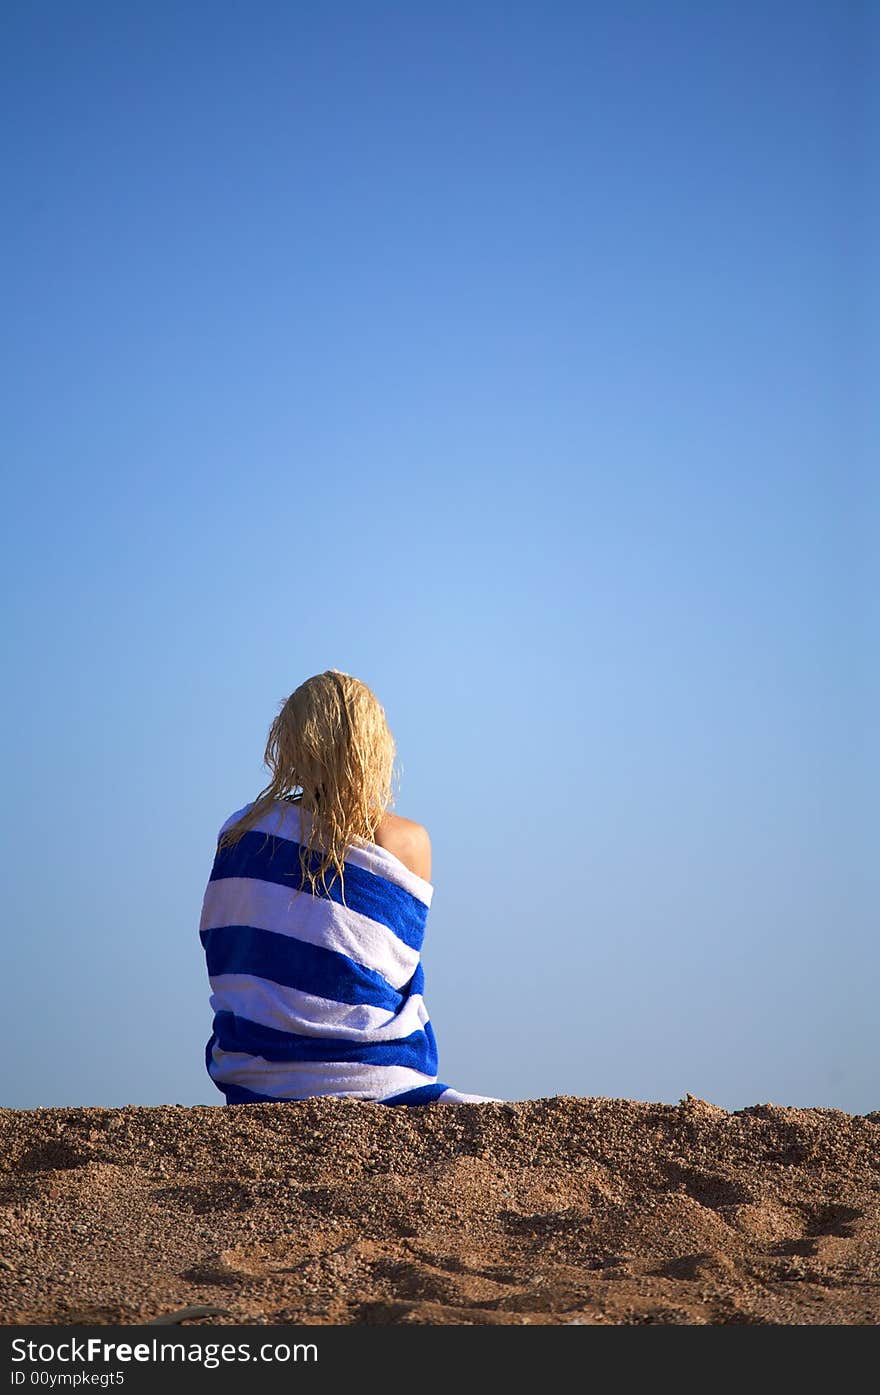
(330, 739)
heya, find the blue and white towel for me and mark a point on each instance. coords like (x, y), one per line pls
(310, 996)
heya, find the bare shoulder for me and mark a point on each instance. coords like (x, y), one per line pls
(409, 841)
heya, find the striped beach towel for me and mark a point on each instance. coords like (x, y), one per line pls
(310, 996)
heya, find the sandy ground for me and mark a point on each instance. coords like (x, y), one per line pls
(549, 1211)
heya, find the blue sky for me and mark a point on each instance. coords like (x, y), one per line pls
(513, 357)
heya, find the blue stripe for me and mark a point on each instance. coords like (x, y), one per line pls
(325, 973)
(268, 858)
(237, 1094)
(423, 1094)
(239, 1034)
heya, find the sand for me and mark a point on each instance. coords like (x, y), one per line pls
(564, 1210)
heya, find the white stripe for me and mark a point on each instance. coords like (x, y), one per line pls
(456, 1097)
(301, 1079)
(288, 1010)
(314, 919)
(287, 820)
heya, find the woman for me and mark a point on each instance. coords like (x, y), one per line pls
(316, 983)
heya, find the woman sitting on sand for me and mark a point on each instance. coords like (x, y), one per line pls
(316, 986)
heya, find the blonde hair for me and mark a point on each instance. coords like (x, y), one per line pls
(330, 739)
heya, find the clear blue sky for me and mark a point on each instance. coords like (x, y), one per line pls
(514, 357)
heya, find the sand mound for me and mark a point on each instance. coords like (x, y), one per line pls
(550, 1211)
